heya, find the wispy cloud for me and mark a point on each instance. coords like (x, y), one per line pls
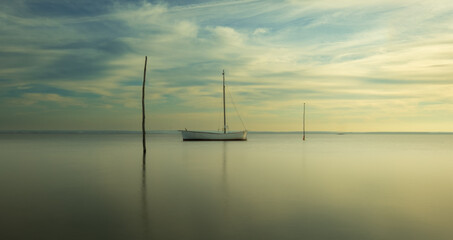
(361, 65)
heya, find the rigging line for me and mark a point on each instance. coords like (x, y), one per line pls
(234, 104)
(219, 113)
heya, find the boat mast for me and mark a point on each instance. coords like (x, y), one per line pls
(304, 123)
(224, 115)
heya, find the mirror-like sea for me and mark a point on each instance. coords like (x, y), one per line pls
(274, 186)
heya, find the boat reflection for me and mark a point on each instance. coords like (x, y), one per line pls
(224, 182)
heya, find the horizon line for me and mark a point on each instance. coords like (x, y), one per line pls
(176, 131)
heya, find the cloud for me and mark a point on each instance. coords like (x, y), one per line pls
(260, 31)
(379, 55)
(36, 98)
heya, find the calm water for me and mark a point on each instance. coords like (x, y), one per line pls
(274, 186)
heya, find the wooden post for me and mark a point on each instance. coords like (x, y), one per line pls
(143, 107)
(304, 123)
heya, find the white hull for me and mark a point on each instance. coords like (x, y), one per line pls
(213, 136)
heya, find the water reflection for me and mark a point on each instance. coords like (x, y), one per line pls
(271, 187)
(225, 177)
(145, 217)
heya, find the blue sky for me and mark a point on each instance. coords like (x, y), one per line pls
(359, 65)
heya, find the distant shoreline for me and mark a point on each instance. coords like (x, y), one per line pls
(177, 131)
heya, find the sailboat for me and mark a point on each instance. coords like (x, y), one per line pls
(215, 136)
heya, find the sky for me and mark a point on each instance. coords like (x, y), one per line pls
(363, 66)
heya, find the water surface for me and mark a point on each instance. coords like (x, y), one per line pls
(274, 186)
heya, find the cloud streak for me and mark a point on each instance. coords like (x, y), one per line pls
(357, 64)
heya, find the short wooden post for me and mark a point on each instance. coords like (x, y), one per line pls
(304, 123)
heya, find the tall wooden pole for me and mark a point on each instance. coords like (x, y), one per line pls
(224, 115)
(304, 123)
(143, 107)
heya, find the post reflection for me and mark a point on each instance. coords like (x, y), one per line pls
(145, 218)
